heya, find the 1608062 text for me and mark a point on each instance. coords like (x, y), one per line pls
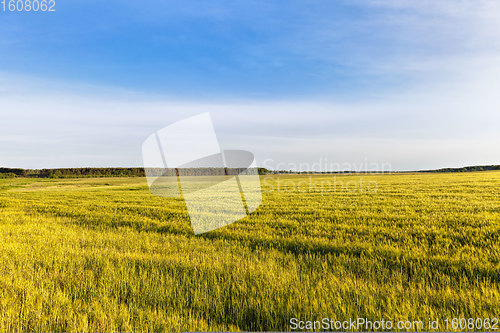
(28, 6)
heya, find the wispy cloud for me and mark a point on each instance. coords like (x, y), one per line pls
(449, 126)
(411, 83)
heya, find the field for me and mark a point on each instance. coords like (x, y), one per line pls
(103, 254)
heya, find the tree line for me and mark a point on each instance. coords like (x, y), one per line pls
(140, 172)
(117, 172)
(73, 172)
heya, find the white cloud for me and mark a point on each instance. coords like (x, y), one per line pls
(446, 116)
(449, 124)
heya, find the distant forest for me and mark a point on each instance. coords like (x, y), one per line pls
(467, 169)
(139, 172)
(72, 172)
(114, 172)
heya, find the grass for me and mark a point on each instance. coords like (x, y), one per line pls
(105, 255)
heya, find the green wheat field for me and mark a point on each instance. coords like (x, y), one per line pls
(103, 254)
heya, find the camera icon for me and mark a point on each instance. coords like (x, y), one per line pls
(184, 160)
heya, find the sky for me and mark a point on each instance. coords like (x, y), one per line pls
(374, 84)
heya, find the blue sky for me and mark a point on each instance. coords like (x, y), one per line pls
(293, 81)
(224, 49)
